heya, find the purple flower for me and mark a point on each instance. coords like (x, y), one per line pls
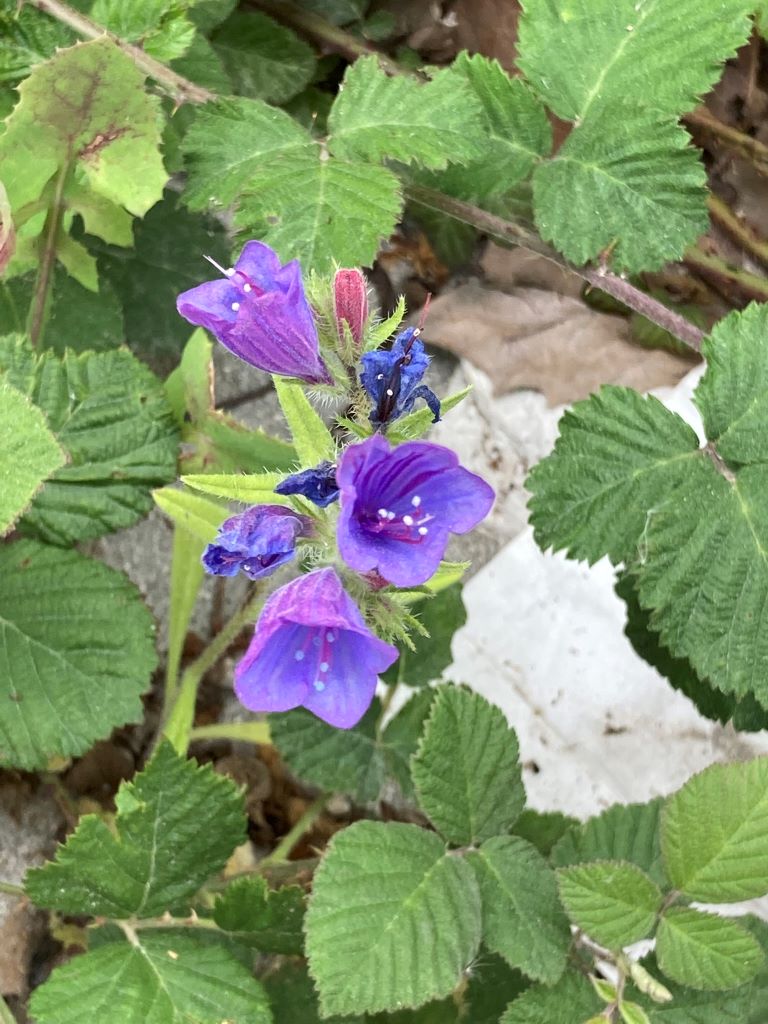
(257, 541)
(392, 378)
(399, 505)
(350, 303)
(318, 484)
(259, 312)
(311, 648)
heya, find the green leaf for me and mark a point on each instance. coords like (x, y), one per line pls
(466, 772)
(230, 141)
(518, 133)
(715, 833)
(321, 210)
(203, 65)
(706, 951)
(417, 423)
(27, 37)
(266, 920)
(200, 517)
(264, 59)
(376, 117)
(110, 415)
(571, 1001)
(164, 977)
(626, 182)
(689, 1006)
(77, 649)
(522, 916)
(311, 437)
(631, 1013)
(109, 129)
(393, 921)
(543, 829)
(167, 258)
(614, 902)
(250, 488)
(441, 616)
(492, 984)
(29, 453)
(77, 319)
(627, 832)
(189, 388)
(581, 53)
(356, 761)
(157, 856)
(619, 455)
(158, 26)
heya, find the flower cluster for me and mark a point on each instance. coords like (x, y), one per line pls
(398, 505)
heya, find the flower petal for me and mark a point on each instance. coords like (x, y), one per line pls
(269, 677)
(349, 685)
(209, 305)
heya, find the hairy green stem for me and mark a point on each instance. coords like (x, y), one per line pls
(281, 852)
(48, 257)
(9, 889)
(178, 727)
(239, 732)
(181, 89)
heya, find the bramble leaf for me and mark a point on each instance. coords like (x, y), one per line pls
(714, 833)
(29, 453)
(614, 902)
(110, 414)
(581, 52)
(157, 856)
(570, 1001)
(393, 920)
(321, 210)
(624, 182)
(522, 916)
(77, 650)
(628, 832)
(624, 478)
(706, 951)
(466, 771)
(262, 919)
(263, 58)
(167, 976)
(378, 117)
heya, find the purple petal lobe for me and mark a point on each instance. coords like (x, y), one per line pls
(311, 646)
(398, 507)
(392, 379)
(257, 542)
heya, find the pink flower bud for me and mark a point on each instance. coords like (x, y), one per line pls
(350, 303)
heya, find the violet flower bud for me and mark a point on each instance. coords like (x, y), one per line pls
(350, 303)
(256, 542)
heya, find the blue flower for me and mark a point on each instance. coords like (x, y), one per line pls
(392, 379)
(260, 313)
(312, 648)
(256, 542)
(318, 484)
(399, 505)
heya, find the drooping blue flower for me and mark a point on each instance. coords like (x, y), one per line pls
(317, 484)
(256, 542)
(312, 648)
(399, 505)
(392, 379)
(258, 311)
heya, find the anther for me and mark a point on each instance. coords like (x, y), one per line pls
(235, 306)
(324, 666)
(415, 501)
(423, 531)
(319, 685)
(408, 520)
(246, 288)
(299, 655)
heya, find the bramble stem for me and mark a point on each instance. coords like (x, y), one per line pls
(603, 279)
(712, 267)
(9, 889)
(178, 727)
(181, 89)
(281, 852)
(316, 27)
(731, 138)
(738, 229)
(313, 25)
